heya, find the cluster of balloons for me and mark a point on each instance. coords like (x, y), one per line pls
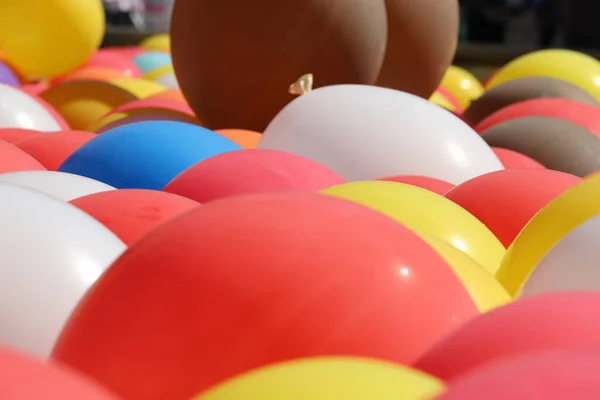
(275, 215)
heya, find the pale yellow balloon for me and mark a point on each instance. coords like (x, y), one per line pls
(158, 72)
(463, 85)
(140, 88)
(428, 213)
(440, 100)
(335, 378)
(567, 211)
(160, 42)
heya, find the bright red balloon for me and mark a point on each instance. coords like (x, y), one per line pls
(506, 200)
(251, 171)
(15, 135)
(25, 378)
(557, 375)
(557, 321)
(13, 159)
(514, 160)
(132, 213)
(584, 115)
(424, 182)
(51, 149)
(253, 280)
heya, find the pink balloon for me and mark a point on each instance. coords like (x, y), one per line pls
(425, 182)
(513, 160)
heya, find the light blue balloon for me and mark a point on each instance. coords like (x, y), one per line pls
(145, 155)
(146, 62)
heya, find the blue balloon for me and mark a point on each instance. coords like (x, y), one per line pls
(146, 62)
(145, 155)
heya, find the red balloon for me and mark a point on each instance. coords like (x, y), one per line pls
(584, 115)
(132, 213)
(24, 378)
(251, 171)
(129, 52)
(15, 135)
(13, 159)
(424, 182)
(34, 88)
(514, 160)
(252, 280)
(506, 200)
(557, 321)
(112, 59)
(550, 376)
(51, 149)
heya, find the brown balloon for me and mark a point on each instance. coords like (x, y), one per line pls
(236, 59)
(524, 89)
(553, 142)
(422, 39)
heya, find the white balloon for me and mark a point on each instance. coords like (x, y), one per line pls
(168, 80)
(367, 132)
(572, 264)
(19, 110)
(50, 254)
(61, 185)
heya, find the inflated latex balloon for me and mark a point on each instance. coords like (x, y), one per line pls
(263, 293)
(170, 94)
(52, 149)
(168, 80)
(151, 60)
(424, 32)
(111, 59)
(52, 253)
(20, 110)
(552, 223)
(462, 84)
(15, 135)
(154, 105)
(7, 75)
(424, 182)
(366, 132)
(145, 155)
(160, 42)
(24, 378)
(251, 171)
(103, 74)
(328, 378)
(45, 38)
(440, 100)
(524, 89)
(568, 65)
(59, 185)
(246, 139)
(132, 213)
(505, 201)
(428, 213)
(514, 160)
(553, 142)
(14, 159)
(344, 43)
(113, 121)
(140, 88)
(559, 321)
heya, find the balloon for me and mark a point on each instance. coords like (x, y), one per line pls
(128, 52)
(567, 65)
(34, 88)
(157, 72)
(7, 76)
(326, 379)
(343, 43)
(52, 253)
(250, 171)
(523, 89)
(462, 84)
(261, 293)
(103, 74)
(15, 135)
(561, 321)
(52, 149)
(505, 201)
(246, 139)
(440, 100)
(170, 94)
(62, 123)
(160, 42)
(140, 88)
(329, 125)
(424, 182)
(545, 229)
(168, 80)
(132, 213)
(43, 38)
(427, 213)
(112, 121)
(14, 159)
(148, 61)
(450, 97)
(425, 33)
(25, 378)
(153, 105)
(111, 59)
(121, 157)
(584, 115)
(513, 160)
(20, 110)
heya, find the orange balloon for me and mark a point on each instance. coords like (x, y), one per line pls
(171, 94)
(246, 139)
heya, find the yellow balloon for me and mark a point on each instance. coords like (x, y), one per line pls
(487, 293)
(428, 213)
(462, 84)
(158, 72)
(546, 228)
(140, 88)
(161, 42)
(568, 65)
(440, 100)
(46, 38)
(335, 378)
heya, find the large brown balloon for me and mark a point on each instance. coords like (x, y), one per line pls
(422, 39)
(236, 59)
(521, 90)
(553, 142)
